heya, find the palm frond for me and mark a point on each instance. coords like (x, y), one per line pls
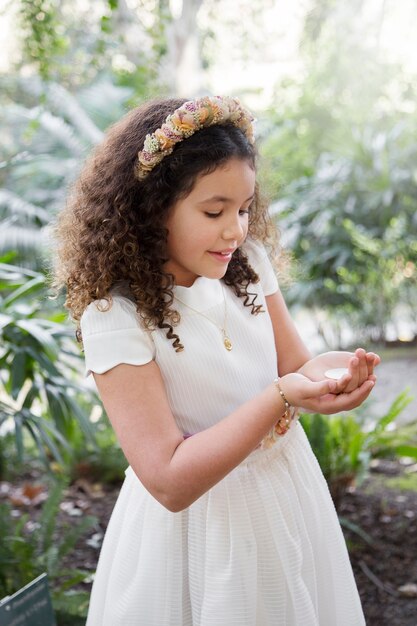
(17, 205)
(23, 240)
(104, 102)
(46, 167)
(54, 126)
(57, 127)
(63, 104)
(67, 105)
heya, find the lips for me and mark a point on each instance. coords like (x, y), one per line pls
(223, 256)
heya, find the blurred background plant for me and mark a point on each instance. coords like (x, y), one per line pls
(340, 160)
(332, 85)
(38, 365)
(30, 547)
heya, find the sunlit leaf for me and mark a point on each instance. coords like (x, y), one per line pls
(42, 337)
(5, 320)
(30, 287)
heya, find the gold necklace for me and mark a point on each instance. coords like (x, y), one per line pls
(226, 340)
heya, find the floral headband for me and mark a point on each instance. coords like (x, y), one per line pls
(185, 121)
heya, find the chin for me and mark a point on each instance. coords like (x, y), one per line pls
(216, 274)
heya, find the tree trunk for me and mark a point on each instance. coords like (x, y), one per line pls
(183, 71)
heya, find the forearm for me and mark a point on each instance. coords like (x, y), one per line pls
(201, 461)
(289, 346)
(177, 471)
(295, 363)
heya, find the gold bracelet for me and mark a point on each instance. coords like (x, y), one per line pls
(281, 393)
(284, 421)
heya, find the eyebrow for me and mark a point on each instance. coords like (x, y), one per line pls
(223, 199)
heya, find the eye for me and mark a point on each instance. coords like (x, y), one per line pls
(246, 210)
(212, 215)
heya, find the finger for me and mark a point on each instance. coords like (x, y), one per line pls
(317, 389)
(321, 388)
(370, 362)
(298, 389)
(363, 365)
(373, 360)
(332, 403)
(353, 370)
(343, 382)
(362, 394)
(346, 401)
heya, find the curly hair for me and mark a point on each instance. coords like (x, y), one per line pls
(112, 231)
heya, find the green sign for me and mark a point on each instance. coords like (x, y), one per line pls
(30, 606)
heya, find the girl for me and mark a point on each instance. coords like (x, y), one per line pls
(224, 517)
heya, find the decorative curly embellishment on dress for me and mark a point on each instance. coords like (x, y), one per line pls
(185, 121)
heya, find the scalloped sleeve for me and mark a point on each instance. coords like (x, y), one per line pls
(259, 261)
(114, 336)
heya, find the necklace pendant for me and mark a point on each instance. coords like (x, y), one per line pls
(227, 343)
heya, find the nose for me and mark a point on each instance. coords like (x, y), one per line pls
(234, 229)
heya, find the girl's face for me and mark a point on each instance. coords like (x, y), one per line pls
(207, 226)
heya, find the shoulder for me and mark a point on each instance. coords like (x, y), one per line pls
(112, 333)
(259, 261)
(109, 315)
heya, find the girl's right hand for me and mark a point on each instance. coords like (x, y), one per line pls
(322, 396)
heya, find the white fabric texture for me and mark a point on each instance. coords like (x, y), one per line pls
(264, 546)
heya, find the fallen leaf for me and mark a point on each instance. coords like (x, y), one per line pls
(93, 490)
(70, 509)
(409, 590)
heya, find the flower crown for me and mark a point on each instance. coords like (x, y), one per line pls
(188, 119)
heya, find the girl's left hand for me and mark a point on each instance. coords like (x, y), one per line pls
(360, 366)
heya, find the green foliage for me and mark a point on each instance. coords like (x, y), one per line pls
(45, 39)
(102, 460)
(386, 439)
(339, 154)
(43, 149)
(74, 46)
(357, 245)
(29, 548)
(344, 446)
(347, 211)
(408, 482)
(37, 362)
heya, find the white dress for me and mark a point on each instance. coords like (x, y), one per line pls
(264, 546)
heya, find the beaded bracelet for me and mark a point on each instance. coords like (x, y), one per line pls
(284, 422)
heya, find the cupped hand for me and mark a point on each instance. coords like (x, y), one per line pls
(360, 366)
(322, 396)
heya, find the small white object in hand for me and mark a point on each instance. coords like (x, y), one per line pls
(336, 373)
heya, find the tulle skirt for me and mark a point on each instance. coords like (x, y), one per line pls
(262, 548)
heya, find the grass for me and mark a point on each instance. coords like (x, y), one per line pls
(377, 483)
(406, 482)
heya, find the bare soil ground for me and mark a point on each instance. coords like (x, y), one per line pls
(385, 569)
